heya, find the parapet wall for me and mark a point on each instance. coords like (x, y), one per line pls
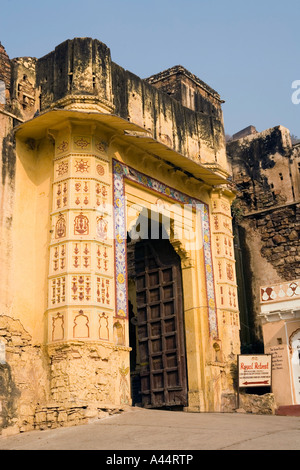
(80, 73)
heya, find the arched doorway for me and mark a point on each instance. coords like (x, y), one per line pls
(158, 358)
(295, 360)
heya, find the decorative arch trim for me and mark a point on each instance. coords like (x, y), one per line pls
(291, 339)
(122, 172)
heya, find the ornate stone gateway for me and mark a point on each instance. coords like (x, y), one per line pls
(96, 147)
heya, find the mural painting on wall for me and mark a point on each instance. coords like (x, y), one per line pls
(62, 168)
(81, 225)
(102, 227)
(281, 291)
(103, 326)
(58, 327)
(60, 227)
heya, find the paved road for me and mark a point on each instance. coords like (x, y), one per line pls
(140, 429)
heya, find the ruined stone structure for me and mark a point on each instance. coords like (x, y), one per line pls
(94, 314)
(266, 171)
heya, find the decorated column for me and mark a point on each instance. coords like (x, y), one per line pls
(81, 286)
(225, 273)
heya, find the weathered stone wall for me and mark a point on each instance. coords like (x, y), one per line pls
(189, 90)
(198, 135)
(244, 133)
(24, 93)
(23, 377)
(42, 388)
(7, 186)
(249, 403)
(5, 76)
(265, 169)
(72, 363)
(5, 72)
(279, 230)
(82, 67)
(262, 169)
(295, 170)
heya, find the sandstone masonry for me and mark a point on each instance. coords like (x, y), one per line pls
(266, 171)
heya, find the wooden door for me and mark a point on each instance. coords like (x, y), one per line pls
(160, 327)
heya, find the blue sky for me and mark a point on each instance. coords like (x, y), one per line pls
(248, 51)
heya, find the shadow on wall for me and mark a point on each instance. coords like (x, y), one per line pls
(8, 397)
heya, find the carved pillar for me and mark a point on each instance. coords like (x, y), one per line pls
(81, 286)
(194, 316)
(81, 268)
(224, 266)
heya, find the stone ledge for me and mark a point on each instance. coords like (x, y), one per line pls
(54, 416)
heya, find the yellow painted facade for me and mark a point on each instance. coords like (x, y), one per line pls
(84, 176)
